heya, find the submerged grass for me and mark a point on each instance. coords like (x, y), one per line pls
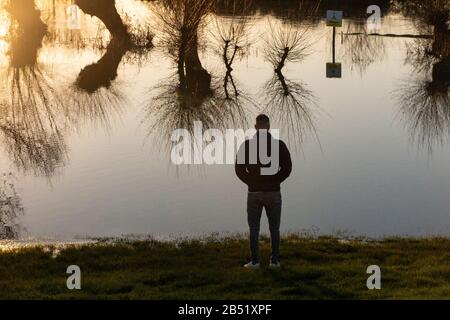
(210, 268)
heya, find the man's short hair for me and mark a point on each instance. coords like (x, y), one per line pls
(262, 119)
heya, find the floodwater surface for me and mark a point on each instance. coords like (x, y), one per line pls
(86, 121)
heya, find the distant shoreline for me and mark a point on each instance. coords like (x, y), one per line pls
(63, 241)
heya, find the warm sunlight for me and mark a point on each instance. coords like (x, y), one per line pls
(4, 22)
(193, 142)
(4, 27)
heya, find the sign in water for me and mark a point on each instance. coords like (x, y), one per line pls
(334, 70)
(334, 18)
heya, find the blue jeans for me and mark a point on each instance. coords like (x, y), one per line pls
(271, 201)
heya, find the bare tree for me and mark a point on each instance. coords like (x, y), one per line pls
(191, 94)
(173, 105)
(230, 34)
(286, 43)
(293, 106)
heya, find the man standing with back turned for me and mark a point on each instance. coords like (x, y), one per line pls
(263, 188)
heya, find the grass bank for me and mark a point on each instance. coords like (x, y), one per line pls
(322, 268)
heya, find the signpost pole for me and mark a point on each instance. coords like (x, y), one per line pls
(334, 45)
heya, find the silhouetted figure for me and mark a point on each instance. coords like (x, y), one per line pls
(252, 168)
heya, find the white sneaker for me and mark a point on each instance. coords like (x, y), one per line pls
(274, 265)
(251, 265)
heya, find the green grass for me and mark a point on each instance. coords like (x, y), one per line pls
(322, 268)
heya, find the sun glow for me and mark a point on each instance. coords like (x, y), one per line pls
(4, 27)
(4, 24)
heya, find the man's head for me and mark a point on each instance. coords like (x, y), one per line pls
(262, 122)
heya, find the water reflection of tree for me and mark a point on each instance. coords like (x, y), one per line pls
(96, 95)
(289, 102)
(181, 22)
(425, 99)
(191, 94)
(101, 73)
(104, 71)
(11, 209)
(359, 49)
(231, 41)
(28, 123)
(425, 106)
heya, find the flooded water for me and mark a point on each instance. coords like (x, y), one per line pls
(86, 121)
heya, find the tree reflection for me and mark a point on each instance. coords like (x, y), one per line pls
(231, 41)
(289, 102)
(37, 110)
(29, 125)
(360, 49)
(425, 99)
(191, 94)
(103, 72)
(96, 95)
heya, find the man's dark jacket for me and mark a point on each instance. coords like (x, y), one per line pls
(250, 174)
